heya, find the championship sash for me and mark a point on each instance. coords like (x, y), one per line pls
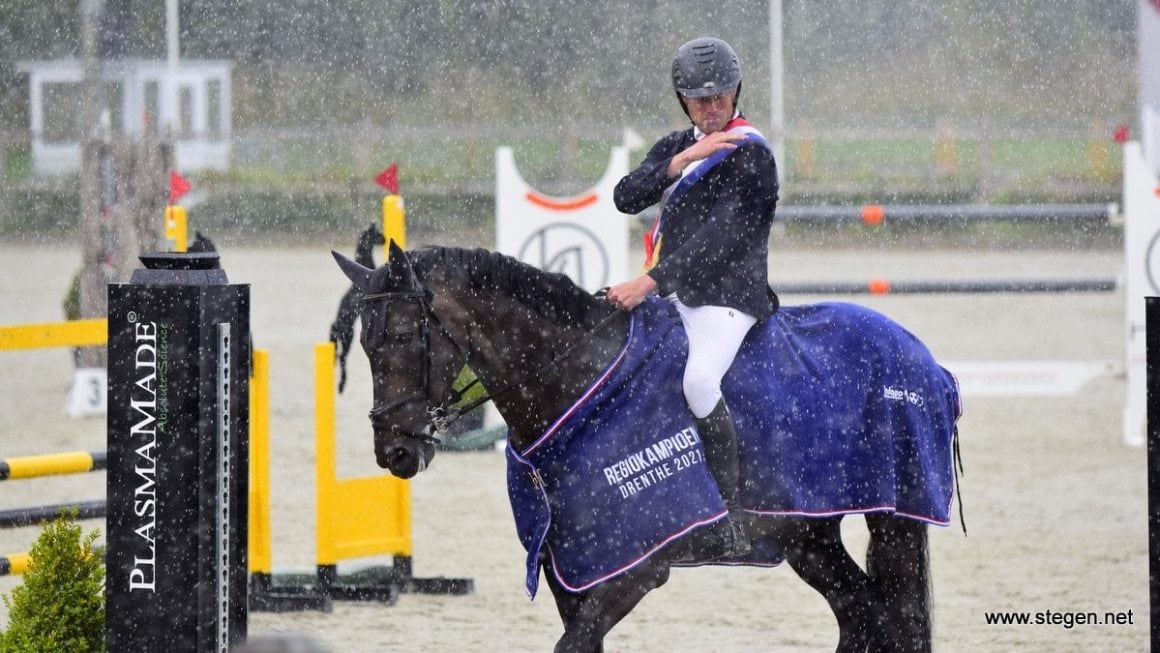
(689, 176)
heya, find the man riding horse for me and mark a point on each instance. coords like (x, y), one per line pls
(708, 252)
(840, 410)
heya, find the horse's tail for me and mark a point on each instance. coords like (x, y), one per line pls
(342, 331)
(898, 563)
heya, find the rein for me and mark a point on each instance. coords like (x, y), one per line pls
(441, 419)
(439, 416)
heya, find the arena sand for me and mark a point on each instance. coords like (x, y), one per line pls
(1055, 505)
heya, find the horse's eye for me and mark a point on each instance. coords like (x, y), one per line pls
(404, 337)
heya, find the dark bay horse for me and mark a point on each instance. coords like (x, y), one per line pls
(537, 342)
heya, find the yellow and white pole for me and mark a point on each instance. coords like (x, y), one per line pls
(258, 538)
(176, 230)
(394, 221)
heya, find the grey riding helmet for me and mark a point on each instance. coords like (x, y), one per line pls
(704, 67)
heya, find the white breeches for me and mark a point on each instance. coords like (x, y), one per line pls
(715, 335)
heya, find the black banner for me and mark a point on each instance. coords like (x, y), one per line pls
(179, 362)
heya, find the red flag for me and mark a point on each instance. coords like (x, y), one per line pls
(1121, 134)
(389, 178)
(178, 186)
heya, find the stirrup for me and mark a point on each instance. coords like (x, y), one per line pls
(726, 538)
(738, 539)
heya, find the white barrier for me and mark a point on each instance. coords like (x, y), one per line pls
(1142, 277)
(583, 236)
(1025, 378)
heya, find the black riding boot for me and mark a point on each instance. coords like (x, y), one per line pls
(720, 440)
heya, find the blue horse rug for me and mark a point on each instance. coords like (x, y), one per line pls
(838, 410)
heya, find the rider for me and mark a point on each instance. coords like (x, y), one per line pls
(708, 254)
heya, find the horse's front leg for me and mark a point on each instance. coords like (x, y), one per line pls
(589, 615)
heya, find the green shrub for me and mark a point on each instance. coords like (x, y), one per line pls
(60, 606)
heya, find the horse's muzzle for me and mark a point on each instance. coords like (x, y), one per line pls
(402, 459)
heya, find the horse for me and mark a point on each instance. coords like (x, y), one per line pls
(538, 343)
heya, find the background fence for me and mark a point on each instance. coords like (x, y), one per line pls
(962, 163)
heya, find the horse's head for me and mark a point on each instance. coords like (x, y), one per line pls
(413, 360)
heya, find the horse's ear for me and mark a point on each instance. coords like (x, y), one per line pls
(359, 276)
(400, 266)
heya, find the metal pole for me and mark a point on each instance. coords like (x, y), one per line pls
(33, 516)
(92, 285)
(3, 172)
(1148, 80)
(223, 418)
(879, 214)
(888, 287)
(173, 51)
(776, 83)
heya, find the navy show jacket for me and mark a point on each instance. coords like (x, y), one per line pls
(715, 237)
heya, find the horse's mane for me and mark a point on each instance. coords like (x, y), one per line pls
(550, 294)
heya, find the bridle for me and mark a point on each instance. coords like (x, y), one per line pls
(435, 413)
(440, 416)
